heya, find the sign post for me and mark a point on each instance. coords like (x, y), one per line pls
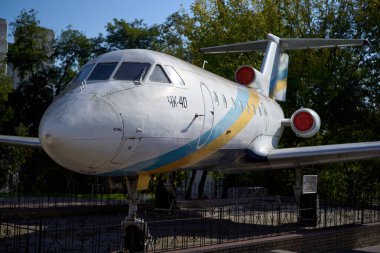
(309, 201)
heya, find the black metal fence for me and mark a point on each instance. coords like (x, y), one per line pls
(12, 200)
(187, 228)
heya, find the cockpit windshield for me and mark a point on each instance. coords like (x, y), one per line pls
(132, 71)
(102, 71)
(85, 71)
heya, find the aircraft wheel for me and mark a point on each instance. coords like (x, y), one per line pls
(134, 239)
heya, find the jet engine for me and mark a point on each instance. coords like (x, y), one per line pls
(305, 123)
(245, 75)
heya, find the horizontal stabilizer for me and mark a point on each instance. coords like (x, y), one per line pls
(259, 45)
(293, 44)
(21, 141)
(285, 44)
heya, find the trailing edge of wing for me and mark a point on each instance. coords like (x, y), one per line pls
(314, 155)
(286, 44)
(294, 157)
(21, 141)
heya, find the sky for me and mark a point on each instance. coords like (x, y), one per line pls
(91, 16)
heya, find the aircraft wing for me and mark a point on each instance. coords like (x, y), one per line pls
(314, 155)
(21, 141)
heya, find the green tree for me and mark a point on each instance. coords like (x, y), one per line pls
(30, 51)
(124, 35)
(171, 39)
(72, 49)
(5, 90)
(30, 57)
(6, 165)
(342, 85)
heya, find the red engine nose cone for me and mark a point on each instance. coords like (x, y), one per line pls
(245, 75)
(303, 121)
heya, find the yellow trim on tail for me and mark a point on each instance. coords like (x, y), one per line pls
(281, 85)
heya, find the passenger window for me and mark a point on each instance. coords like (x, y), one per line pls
(260, 111)
(216, 99)
(102, 71)
(265, 111)
(83, 73)
(240, 105)
(132, 71)
(224, 101)
(248, 108)
(173, 75)
(253, 109)
(233, 103)
(159, 75)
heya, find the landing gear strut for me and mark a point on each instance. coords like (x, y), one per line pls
(133, 197)
(136, 230)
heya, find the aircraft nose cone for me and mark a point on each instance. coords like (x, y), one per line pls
(81, 133)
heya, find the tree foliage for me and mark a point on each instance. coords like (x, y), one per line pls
(72, 49)
(30, 50)
(341, 84)
(124, 35)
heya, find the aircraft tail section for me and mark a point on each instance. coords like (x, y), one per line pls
(279, 83)
(271, 79)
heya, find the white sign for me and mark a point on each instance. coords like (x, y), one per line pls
(310, 183)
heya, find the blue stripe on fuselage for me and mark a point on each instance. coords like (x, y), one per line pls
(220, 128)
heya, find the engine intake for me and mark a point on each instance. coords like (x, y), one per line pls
(305, 123)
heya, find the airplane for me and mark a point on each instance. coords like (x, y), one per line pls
(137, 112)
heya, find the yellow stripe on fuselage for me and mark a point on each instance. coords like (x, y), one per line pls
(219, 142)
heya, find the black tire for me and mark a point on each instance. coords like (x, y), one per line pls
(134, 239)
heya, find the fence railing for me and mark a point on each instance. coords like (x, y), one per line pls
(187, 228)
(10, 200)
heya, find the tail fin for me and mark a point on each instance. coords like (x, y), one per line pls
(279, 83)
(274, 69)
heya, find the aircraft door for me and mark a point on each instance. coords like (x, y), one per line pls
(208, 116)
(130, 144)
(128, 148)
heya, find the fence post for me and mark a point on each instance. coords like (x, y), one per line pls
(362, 212)
(325, 223)
(40, 237)
(279, 216)
(220, 219)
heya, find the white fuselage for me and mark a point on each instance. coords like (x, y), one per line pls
(128, 127)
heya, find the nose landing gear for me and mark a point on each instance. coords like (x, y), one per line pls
(136, 236)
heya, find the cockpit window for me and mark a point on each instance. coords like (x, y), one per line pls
(159, 75)
(176, 79)
(102, 71)
(132, 71)
(83, 73)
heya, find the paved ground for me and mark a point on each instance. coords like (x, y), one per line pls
(373, 249)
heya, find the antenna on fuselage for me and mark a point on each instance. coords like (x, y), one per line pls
(204, 63)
